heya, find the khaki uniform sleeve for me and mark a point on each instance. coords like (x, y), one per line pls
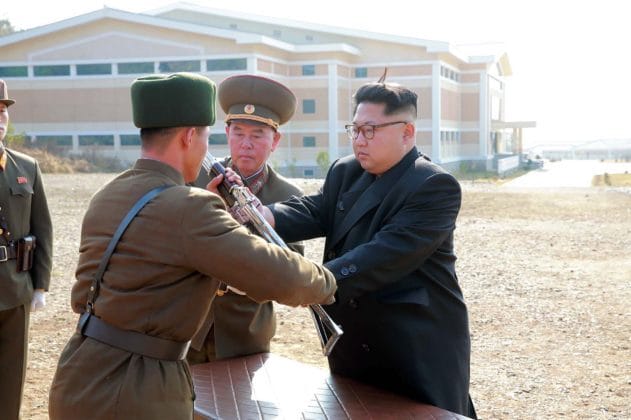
(216, 245)
(42, 228)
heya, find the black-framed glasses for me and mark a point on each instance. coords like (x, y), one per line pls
(367, 130)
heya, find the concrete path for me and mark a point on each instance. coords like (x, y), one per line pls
(568, 173)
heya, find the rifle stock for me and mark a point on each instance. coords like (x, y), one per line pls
(235, 195)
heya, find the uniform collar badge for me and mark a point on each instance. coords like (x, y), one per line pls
(22, 180)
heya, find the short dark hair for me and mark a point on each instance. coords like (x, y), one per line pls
(397, 98)
(153, 132)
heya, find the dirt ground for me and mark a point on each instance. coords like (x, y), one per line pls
(546, 276)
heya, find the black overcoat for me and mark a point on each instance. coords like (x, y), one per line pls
(389, 242)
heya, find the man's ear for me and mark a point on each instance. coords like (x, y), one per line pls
(187, 136)
(409, 133)
(275, 140)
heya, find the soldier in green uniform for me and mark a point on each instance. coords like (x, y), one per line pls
(255, 107)
(140, 309)
(26, 236)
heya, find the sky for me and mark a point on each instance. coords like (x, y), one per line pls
(570, 60)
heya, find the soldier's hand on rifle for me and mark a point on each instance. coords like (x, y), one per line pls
(213, 185)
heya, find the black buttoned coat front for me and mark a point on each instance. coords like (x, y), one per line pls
(389, 242)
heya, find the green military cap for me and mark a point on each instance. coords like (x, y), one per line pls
(173, 100)
(256, 98)
(4, 94)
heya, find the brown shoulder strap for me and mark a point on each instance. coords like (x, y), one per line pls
(96, 281)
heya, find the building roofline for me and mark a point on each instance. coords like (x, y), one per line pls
(431, 45)
(237, 36)
(151, 18)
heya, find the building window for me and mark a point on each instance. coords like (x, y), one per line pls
(308, 70)
(59, 70)
(449, 74)
(47, 141)
(135, 68)
(175, 66)
(308, 106)
(450, 135)
(93, 69)
(130, 139)
(13, 71)
(96, 140)
(277, 33)
(227, 64)
(233, 26)
(218, 139)
(361, 72)
(309, 37)
(308, 141)
(308, 173)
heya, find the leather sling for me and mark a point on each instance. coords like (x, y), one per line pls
(91, 326)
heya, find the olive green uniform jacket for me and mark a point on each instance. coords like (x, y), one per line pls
(241, 326)
(24, 207)
(161, 281)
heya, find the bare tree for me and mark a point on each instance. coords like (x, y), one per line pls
(5, 27)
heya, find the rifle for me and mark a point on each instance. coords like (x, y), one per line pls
(241, 197)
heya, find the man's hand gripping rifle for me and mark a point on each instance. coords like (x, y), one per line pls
(240, 198)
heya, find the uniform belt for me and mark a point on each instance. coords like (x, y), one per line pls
(7, 252)
(131, 341)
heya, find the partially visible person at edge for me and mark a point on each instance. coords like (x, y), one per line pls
(26, 245)
(127, 359)
(388, 215)
(255, 107)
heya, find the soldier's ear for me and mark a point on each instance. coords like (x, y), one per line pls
(187, 136)
(276, 140)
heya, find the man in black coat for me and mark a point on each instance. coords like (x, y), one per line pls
(388, 215)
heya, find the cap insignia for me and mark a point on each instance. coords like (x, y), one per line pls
(249, 109)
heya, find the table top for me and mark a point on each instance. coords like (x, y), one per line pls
(266, 386)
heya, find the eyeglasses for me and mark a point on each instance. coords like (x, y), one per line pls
(367, 130)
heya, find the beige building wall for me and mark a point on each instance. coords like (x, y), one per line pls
(75, 105)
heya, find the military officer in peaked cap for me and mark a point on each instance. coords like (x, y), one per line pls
(26, 238)
(255, 108)
(140, 308)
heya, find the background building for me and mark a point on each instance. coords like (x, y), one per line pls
(71, 81)
(604, 149)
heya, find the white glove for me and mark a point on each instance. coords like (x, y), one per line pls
(39, 300)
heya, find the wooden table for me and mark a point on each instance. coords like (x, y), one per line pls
(268, 386)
